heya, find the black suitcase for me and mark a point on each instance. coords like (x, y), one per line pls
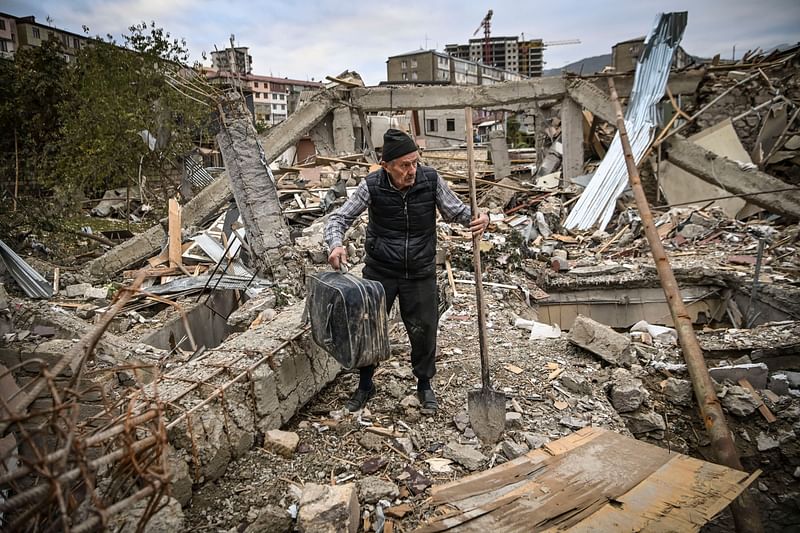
(348, 318)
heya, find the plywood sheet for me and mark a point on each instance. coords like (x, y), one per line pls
(593, 480)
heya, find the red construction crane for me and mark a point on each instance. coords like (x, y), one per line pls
(487, 45)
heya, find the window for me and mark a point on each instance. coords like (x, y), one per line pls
(36, 34)
(255, 84)
(451, 124)
(2, 24)
(3, 46)
(433, 124)
(413, 63)
(283, 107)
(404, 75)
(414, 75)
(76, 43)
(281, 97)
(404, 64)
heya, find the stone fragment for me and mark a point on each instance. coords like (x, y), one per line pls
(739, 401)
(628, 394)
(373, 464)
(169, 517)
(467, 456)
(678, 391)
(283, 443)
(601, 340)
(372, 488)
(271, 519)
(513, 420)
(77, 291)
(405, 444)
(576, 383)
(415, 481)
(410, 401)
(764, 442)
(328, 509)
(573, 422)
(398, 511)
(644, 422)
(779, 384)
(692, 231)
(461, 420)
(793, 378)
(755, 373)
(535, 440)
(370, 441)
(512, 450)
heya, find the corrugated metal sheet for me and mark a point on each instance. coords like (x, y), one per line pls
(34, 285)
(596, 204)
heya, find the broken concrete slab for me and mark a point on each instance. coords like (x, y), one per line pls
(498, 149)
(601, 340)
(724, 172)
(328, 509)
(77, 291)
(371, 489)
(678, 391)
(738, 401)
(640, 422)
(628, 394)
(271, 519)
(467, 456)
(755, 373)
(512, 450)
(571, 138)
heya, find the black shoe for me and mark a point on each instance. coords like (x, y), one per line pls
(427, 401)
(359, 399)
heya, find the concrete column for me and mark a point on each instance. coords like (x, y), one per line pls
(343, 134)
(571, 139)
(499, 150)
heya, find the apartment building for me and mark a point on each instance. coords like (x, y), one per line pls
(506, 53)
(432, 66)
(237, 60)
(442, 127)
(17, 33)
(270, 99)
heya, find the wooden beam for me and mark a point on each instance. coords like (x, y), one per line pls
(174, 225)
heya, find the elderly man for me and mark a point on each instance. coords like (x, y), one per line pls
(402, 198)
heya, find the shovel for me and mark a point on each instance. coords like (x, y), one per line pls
(487, 407)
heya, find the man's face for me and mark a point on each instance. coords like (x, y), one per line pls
(403, 170)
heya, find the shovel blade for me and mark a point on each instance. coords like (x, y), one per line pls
(487, 414)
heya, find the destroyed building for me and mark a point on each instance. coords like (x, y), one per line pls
(172, 380)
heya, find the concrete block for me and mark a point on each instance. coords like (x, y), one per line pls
(601, 340)
(328, 509)
(755, 373)
(77, 291)
(180, 478)
(96, 293)
(283, 443)
(286, 375)
(206, 440)
(265, 390)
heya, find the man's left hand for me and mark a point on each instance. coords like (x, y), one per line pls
(479, 225)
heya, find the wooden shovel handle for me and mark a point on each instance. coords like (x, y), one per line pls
(476, 253)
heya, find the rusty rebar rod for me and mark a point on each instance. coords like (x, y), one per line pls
(745, 513)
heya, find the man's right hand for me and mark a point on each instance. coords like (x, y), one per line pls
(338, 257)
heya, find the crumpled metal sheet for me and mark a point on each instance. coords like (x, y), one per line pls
(34, 285)
(596, 204)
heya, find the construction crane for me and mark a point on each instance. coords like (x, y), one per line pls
(487, 45)
(566, 41)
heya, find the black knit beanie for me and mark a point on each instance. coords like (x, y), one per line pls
(396, 144)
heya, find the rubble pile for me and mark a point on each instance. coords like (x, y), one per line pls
(251, 412)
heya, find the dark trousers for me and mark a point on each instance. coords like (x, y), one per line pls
(420, 313)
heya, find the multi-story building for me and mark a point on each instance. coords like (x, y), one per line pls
(442, 127)
(236, 60)
(270, 99)
(431, 66)
(17, 33)
(8, 36)
(505, 53)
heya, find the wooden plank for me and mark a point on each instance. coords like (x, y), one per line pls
(763, 409)
(682, 495)
(570, 483)
(174, 225)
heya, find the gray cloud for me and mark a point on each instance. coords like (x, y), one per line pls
(323, 37)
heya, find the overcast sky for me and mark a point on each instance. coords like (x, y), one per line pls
(311, 39)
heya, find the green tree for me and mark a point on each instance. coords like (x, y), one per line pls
(32, 89)
(120, 92)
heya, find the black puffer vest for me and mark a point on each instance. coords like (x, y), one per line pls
(401, 234)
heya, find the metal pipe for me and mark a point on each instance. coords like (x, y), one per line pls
(745, 513)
